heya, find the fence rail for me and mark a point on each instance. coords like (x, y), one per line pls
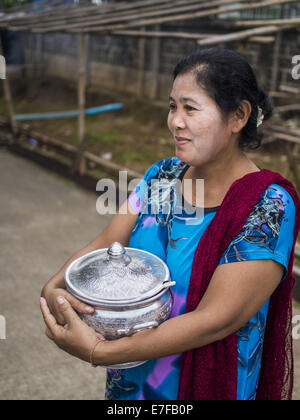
(272, 12)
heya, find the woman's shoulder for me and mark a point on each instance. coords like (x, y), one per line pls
(277, 196)
(269, 230)
(274, 209)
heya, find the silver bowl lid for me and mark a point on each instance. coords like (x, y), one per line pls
(117, 274)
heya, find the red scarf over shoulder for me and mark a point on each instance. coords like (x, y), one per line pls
(210, 372)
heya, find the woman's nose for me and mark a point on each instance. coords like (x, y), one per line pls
(178, 122)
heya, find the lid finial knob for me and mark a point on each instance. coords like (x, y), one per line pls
(116, 250)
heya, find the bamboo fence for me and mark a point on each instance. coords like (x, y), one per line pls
(146, 19)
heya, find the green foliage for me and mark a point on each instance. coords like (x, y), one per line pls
(6, 4)
(133, 156)
(107, 137)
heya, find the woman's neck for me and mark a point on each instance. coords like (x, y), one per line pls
(219, 177)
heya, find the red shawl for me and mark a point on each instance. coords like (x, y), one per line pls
(210, 372)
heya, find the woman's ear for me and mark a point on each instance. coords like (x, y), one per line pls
(241, 116)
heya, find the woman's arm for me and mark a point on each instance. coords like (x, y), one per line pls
(236, 292)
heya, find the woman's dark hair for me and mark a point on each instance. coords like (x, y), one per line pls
(228, 79)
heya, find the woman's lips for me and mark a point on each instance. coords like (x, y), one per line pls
(181, 140)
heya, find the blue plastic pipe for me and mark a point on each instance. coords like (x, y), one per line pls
(67, 114)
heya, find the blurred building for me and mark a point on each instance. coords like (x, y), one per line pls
(113, 61)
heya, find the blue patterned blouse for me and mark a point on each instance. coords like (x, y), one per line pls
(173, 234)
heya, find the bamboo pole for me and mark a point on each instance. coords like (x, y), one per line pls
(262, 39)
(138, 22)
(67, 23)
(60, 22)
(185, 35)
(48, 15)
(203, 4)
(286, 137)
(291, 21)
(289, 89)
(286, 108)
(182, 17)
(96, 17)
(293, 134)
(8, 100)
(160, 34)
(276, 53)
(106, 20)
(82, 86)
(82, 139)
(156, 47)
(141, 66)
(236, 36)
(283, 95)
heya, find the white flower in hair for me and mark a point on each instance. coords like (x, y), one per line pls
(260, 117)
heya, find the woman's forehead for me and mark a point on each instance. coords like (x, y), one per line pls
(185, 88)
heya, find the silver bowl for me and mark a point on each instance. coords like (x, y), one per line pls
(129, 289)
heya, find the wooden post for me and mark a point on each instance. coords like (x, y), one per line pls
(276, 56)
(155, 64)
(8, 100)
(141, 65)
(38, 59)
(82, 139)
(81, 87)
(88, 60)
(275, 66)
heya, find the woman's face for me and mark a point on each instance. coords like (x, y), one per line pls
(201, 134)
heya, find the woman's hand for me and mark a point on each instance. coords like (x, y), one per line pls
(75, 337)
(51, 294)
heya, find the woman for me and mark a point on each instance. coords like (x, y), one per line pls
(232, 264)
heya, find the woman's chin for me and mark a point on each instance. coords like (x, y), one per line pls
(182, 155)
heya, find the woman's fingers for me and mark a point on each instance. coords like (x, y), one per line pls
(67, 312)
(100, 336)
(49, 334)
(49, 319)
(58, 316)
(79, 306)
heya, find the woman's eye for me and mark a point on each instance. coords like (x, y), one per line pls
(172, 107)
(189, 108)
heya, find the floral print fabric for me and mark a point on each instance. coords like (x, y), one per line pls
(172, 233)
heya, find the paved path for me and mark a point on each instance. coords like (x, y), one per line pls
(43, 221)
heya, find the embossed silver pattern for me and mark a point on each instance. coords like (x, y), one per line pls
(129, 289)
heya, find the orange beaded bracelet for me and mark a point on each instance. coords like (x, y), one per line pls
(92, 352)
